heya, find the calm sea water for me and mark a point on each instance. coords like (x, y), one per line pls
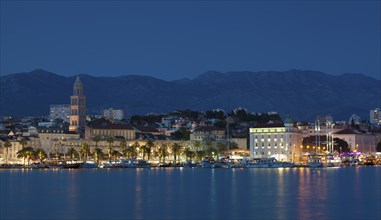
(192, 193)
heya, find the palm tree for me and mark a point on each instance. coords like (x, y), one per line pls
(149, 146)
(176, 150)
(7, 145)
(21, 154)
(41, 154)
(96, 138)
(208, 144)
(115, 154)
(198, 146)
(85, 150)
(26, 152)
(134, 149)
(211, 151)
(221, 147)
(98, 153)
(23, 142)
(29, 153)
(110, 140)
(162, 152)
(123, 146)
(189, 154)
(72, 153)
(144, 149)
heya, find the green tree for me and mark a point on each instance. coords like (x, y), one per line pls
(181, 134)
(23, 142)
(211, 151)
(221, 147)
(96, 138)
(115, 154)
(149, 146)
(162, 152)
(7, 145)
(145, 151)
(110, 141)
(198, 146)
(190, 155)
(233, 145)
(123, 146)
(40, 154)
(98, 153)
(72, 152)
(176, 151)
(85, 150)
(200, 154)
(134, 149)
(208, 144)
(27, 153)
(22, 154)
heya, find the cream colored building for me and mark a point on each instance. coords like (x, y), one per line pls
(358, 141)
(11, 156)
(56, 139)
(110, 130)
(276, 140)
(208, 133)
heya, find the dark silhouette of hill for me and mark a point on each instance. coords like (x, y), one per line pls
(301, 93)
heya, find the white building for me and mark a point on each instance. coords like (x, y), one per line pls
(375, 116)
(358, 140)
(60, 112)
(276, 140)
(113, 114)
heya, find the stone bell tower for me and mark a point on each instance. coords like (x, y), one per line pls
(77, 107)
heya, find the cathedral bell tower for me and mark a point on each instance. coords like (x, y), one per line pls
(77, 107)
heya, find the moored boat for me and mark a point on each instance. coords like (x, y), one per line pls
(208, 162)
(314, 161)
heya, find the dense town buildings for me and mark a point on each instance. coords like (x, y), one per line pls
(265, 134)
(113, 114)
(60, 112)
(106, 129)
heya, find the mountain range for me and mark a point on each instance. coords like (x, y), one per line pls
(302, 94)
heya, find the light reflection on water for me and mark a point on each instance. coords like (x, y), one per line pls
(191, 193)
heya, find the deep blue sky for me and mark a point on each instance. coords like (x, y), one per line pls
(172, 40)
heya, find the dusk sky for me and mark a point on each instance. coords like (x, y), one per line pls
(172, 40)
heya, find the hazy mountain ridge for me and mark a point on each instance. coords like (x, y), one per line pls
(301, 93)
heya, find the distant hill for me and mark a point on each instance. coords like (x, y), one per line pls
(299, 93)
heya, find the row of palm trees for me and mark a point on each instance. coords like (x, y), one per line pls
(147, 151)
(31, 153)
(160, 152)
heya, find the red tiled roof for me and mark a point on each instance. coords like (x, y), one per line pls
(146, 129)
(209, 128)
(349, 131)
(112, 126)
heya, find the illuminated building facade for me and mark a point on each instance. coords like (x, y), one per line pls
(77, 107)
(281, 141)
